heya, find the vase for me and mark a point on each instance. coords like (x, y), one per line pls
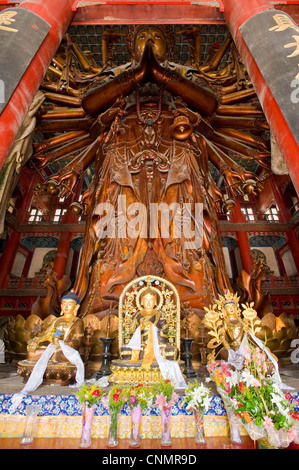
(112, 437)
(234, 426)
(165, 421)
(31, 414)
(263, 443)
(234, 423)
(88, 414)
(199, 428)
(136, 413)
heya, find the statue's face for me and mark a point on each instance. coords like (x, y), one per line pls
(159, 42)
(149, 301)
(230, 309)
(69, 307)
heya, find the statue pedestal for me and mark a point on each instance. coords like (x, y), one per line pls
(187, 356)
(63, 373)
(125, 372)
(105, 367)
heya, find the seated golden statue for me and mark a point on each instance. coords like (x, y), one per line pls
(64, 332)
(149, 332)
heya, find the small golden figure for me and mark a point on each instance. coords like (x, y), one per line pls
(227, 324)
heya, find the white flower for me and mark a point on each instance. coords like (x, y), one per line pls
(235, 403)
(246, 377)
(206, 403)
(234, 378)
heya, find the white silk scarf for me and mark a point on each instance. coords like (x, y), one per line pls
(169, 369)
(37, 374)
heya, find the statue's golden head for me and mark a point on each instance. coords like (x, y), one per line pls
(161, 37)
(148, 299)
(70, 304)
(229, 304)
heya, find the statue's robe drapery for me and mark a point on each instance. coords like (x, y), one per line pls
(143, 163)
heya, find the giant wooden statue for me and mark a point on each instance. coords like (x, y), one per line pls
(152, 130)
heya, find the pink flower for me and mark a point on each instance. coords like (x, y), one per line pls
(292, 434)
(268, 423)
(132, 399)
(247, 352)
(254, 382)
(161, 400)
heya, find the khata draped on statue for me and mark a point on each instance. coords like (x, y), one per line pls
(151, 139)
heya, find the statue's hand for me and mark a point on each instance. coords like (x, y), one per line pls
(67, 180)
(40, 160)
(117, 109)
(234, 180)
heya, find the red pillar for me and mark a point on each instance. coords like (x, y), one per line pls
(12, 243)
(280, 263)
(242, 238)
(65, 238)
(284, 216)
(236, 13)
(62, 253)
(27, 264)
(58, 13)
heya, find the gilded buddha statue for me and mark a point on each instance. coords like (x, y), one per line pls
(149, 333)
(152, 328)
(68, 328)
(233, 326)
(53, 356)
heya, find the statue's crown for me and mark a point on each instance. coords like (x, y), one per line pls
(228, 298)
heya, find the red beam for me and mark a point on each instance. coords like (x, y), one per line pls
(58, 14)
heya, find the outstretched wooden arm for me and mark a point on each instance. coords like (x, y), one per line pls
(149, 70)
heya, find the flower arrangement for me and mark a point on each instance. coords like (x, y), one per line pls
(116, 398)
(90, 394)
(197, 397)
(259, 402)
(220, 373)
(164, 394)
(139, 395)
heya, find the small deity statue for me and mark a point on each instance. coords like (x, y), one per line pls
(67, 328)
(152, 328)
(234, 327)
(228, 325)
(54, 353)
